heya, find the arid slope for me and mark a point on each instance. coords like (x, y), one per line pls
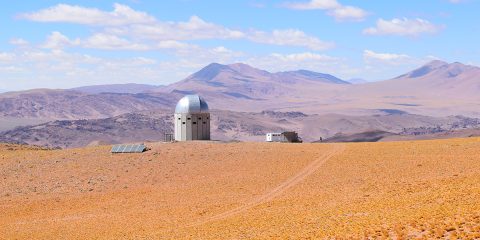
(211, 190)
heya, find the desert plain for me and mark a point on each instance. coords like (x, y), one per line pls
(214, 190)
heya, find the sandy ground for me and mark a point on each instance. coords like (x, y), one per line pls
(210, 190)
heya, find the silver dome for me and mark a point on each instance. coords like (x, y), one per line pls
(191, 104)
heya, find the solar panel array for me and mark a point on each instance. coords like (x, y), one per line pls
(130, 148)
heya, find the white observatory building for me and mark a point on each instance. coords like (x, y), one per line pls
(192, 119)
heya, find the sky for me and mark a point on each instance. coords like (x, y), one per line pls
(52, 44)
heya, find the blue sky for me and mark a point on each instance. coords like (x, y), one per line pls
(51, 44)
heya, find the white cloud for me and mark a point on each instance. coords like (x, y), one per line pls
(348, 13)
(197, 25)
(306, 60)
(290, 37)
(306, 56)
(383, 56)
(196, 28)
(35, 68)
(333, 7)
(314, 4)
(58, 68)
(110, 42)
(171, 44)
(10, 69)
(5, 57)
(193, 29)
(57, 40)
(390, 58)
(19, 42)
(143, 61)
(125, 24)
(403, 27)
(120, 15)
(222, 49)
(198, 55)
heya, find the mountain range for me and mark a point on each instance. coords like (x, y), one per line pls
(422, 91)
(437, 89)
(240, 87)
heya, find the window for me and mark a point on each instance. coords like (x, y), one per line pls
(189, 119)
(199, 118)
(183, 122)
(194, 122)
(204, 122)
(179, 119)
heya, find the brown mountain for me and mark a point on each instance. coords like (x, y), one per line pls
(436, 89)
(241, 87)
(456, 79)
(244, 80)
(436, 79)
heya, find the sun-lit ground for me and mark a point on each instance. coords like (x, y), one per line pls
(214, 190)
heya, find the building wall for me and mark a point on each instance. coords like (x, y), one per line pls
(178, 126)
(192, 126)
(274, 137)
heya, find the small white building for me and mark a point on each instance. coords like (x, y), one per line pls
(274, 137)
(192, 119)
(283, 137)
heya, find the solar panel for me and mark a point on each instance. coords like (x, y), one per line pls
(115, 148)
(121, 148)
(129, 148)
(140, 148)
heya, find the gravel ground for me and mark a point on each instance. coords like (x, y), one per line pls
(213, 190)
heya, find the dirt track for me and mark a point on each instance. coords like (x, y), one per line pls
(284, 186)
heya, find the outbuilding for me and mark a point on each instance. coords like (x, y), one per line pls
(283, 137)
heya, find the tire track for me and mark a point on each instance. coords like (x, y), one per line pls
(275, 192)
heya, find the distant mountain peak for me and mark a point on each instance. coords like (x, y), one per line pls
(435, 64)
(239, 65)
(210, 71)
(245, 68)
(425, 69)
(214, 66)
(439, 69)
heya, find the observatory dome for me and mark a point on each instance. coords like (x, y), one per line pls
(192, 104)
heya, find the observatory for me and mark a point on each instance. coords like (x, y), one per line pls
(192, 119)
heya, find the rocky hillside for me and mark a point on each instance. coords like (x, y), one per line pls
(77, 133)
(238, 126)
(68, 104)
